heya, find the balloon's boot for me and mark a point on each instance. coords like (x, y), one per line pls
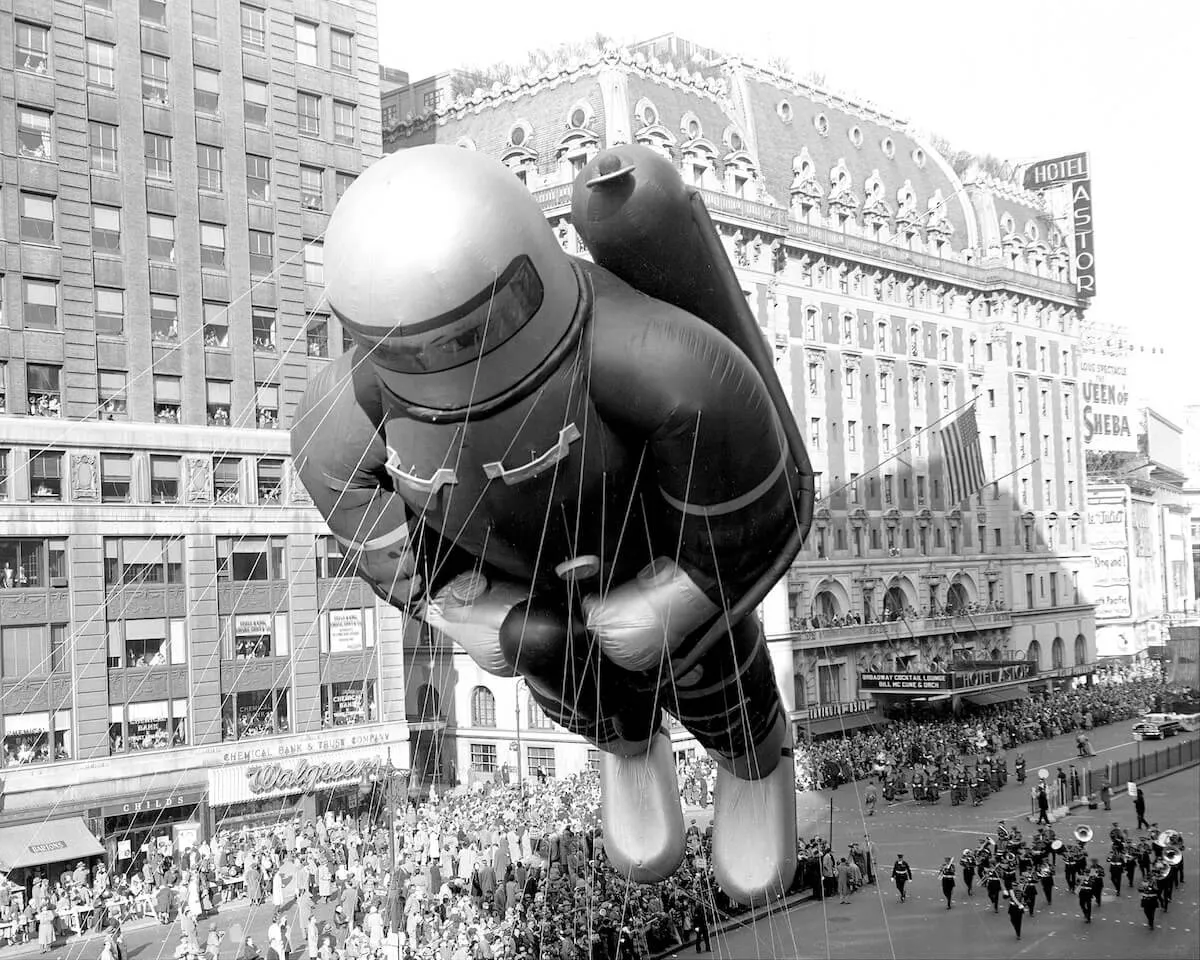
(642, 818)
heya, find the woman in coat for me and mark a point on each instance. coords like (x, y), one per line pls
(46, 935)
(254, 888)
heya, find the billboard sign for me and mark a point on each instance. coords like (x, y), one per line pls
(904, 682)
(1074, 171)
(1109, 540)
(1107, 403)
(1051, 173)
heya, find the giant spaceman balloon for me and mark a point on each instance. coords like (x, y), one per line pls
(583, 473)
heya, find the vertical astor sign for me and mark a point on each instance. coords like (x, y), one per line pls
(1085, 252)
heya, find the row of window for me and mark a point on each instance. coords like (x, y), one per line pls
(483, 711)
(538, 760)
(828, 539)
(35, 564)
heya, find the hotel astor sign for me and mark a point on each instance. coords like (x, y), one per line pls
(1051, 173)
(1074, 170)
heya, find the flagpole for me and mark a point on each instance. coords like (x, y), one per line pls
(1009, 474)
(908, 441)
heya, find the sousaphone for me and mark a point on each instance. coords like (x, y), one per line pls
(1084, 834)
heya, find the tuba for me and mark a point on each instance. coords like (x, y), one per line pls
(1173, 856)
(1162, 871)
(1083, 834)
(1170, 838)
(1057, 845)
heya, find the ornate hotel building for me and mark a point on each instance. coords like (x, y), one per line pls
(895, 292)
(174, 633)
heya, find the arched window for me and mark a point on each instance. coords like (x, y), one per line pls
(1034, 653)
(825, 608)
(537, 717)
(1056, 653)
(894, 603)
(483, 708)
(1080, 650)
(429, 706)
(956, 600)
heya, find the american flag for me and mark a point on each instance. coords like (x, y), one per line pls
(964, 458)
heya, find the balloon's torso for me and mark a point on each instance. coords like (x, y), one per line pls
(543, 481)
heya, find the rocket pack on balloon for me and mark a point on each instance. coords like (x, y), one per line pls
(584, 473)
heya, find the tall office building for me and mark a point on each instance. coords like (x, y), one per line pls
(176, 647)
(895, 290)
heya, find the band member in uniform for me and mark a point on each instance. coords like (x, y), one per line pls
(1164, 878)
(994, 886)
(1085, 899)
(1020, 764)
(1028, 887)
(967, 862)
(1144, 857)
(1016, 913)
(901, 874)
(1046, 875)
(1096, 881)
(1117, 836)
(1069, 867)
(948, 881)
(1002, 835)
(1116, 867)
(1008, 872)
(1131, 860)
(1149, 891)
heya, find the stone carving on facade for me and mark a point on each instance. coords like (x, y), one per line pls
(840, 192)
(297, 493)
(23, 607)
(85, 478)
(876, 209)
(198, 471)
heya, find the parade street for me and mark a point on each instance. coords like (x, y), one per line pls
(876, 924)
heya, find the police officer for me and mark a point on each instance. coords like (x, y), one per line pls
(1149, 892)
(901, 874)
(967, 862)
(994, 886)
(948, 881)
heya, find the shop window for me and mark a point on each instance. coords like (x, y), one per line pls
(541, 761)
(36, 737)
(164, 479)
(217, 398)
(168, 394)
(246, 559)
(45, 475)
(253, 636)
(262, 323)
(483, 757)
(349, 703)
(267, 409)
(106, 229)
(347, 631)
(227, 480)
(331, 559)
(116, 477)
(216, 320)
(483, 707)
(317, 337)
(153, 725)
(254, 713)
(140, 560)
(141, 643)
(35, 137)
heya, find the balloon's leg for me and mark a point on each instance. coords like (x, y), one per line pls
(642, 818)
(730, 702)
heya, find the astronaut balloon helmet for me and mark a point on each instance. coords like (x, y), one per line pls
(443, 270)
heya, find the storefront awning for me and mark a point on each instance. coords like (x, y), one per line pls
(52, 841)
(983, 698)
(828, 725)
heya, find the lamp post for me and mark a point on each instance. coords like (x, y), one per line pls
(517, 720)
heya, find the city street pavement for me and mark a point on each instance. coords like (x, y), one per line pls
(874, 924)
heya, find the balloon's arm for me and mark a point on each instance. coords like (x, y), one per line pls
(713, 440)
(339, 453)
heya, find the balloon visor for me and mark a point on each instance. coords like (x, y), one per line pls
(462, 335)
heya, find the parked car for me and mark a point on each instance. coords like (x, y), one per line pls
(1157, 726)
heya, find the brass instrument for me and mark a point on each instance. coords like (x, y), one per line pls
(1162, 870)
(1044, 871)
(1057, 846)
(1170, 838)
(1173, 856)
(1084, 834)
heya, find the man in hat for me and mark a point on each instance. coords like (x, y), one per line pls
(948, 881)
(1016, 913)
(901, 874)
